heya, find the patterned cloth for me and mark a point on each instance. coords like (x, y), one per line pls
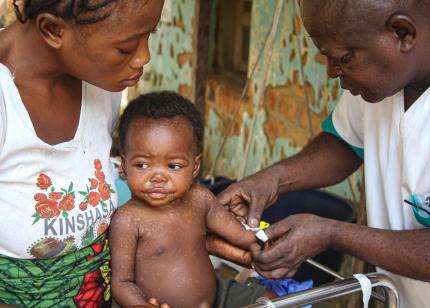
(78, 279)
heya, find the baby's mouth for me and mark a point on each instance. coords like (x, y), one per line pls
(158, 193)
(155, 195)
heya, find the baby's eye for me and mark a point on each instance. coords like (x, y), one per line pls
(346, 58)
(175, 166)
(141, 166)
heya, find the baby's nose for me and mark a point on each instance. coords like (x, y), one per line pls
(158, 177)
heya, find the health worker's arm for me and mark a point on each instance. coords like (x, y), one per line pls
(406, 253)
(325, 161)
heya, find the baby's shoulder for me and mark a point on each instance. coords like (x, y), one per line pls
(201, 192)
(201, 196)
(132, 210)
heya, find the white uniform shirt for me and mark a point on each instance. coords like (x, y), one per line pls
(397, 166)
(54, 199)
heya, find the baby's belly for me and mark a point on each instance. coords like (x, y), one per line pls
(180, 281)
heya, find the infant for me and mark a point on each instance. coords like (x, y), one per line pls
(158, 238)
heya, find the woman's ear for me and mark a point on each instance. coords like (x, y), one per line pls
(404, 30)
(197, 165)
(52, 29)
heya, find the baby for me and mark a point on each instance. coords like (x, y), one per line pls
(158, 238)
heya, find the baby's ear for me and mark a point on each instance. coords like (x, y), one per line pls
(52, 29)
(197, 165)
(123, 169)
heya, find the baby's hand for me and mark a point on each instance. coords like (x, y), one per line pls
(153, 303)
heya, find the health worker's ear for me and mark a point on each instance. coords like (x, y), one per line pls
(197, 165)
(404, 30)
(52, 29)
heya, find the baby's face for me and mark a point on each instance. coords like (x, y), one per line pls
(160, 159)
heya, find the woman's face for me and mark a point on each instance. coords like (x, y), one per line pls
(111, 53)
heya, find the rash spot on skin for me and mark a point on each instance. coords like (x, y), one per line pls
(159, 251)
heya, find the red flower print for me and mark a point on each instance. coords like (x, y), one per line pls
(40, 197)
(97, 248)
(83, 206)
(97, 164)
(43, 181)
(47, 209)
(67, 203)
(93, 198)
(90, 293)
(100, 175)
(104, 190)
(55, 195)
(94, 183)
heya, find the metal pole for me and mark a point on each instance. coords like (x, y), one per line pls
(332, 273)
(331, 291)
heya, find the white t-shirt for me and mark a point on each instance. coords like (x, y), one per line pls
(54, 199)
(397, 165)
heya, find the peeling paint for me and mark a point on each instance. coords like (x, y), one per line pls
(172, 52)
(298, 98)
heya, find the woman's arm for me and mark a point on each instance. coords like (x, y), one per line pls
(123, 238)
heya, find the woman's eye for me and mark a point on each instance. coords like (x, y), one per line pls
(123, 52)
(174, 166)
(346, 58)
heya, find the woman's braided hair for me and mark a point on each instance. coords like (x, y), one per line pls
(82, 11)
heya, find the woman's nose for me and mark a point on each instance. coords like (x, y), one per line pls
(141, 56)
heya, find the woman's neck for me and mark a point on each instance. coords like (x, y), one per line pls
(30, 58)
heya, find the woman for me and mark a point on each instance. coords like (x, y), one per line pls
(61, 65)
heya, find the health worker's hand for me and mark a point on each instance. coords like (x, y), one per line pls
(292, 241)
(251, 196)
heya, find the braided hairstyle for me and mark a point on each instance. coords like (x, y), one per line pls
(81, 11)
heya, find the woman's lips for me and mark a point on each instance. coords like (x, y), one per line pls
(133, 80)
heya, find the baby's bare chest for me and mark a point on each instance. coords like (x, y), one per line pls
(172, 235)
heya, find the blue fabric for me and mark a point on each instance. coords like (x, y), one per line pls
(124, 193)
(282, 287)
(328, 127)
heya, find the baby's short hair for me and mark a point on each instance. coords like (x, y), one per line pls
(162, 105)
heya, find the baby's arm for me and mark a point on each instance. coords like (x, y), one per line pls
(123, 238)
(219, 247)
(222, 222)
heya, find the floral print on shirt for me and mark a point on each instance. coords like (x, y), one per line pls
(53, 207)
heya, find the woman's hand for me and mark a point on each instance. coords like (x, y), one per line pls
(251, 196)
(292, 241)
